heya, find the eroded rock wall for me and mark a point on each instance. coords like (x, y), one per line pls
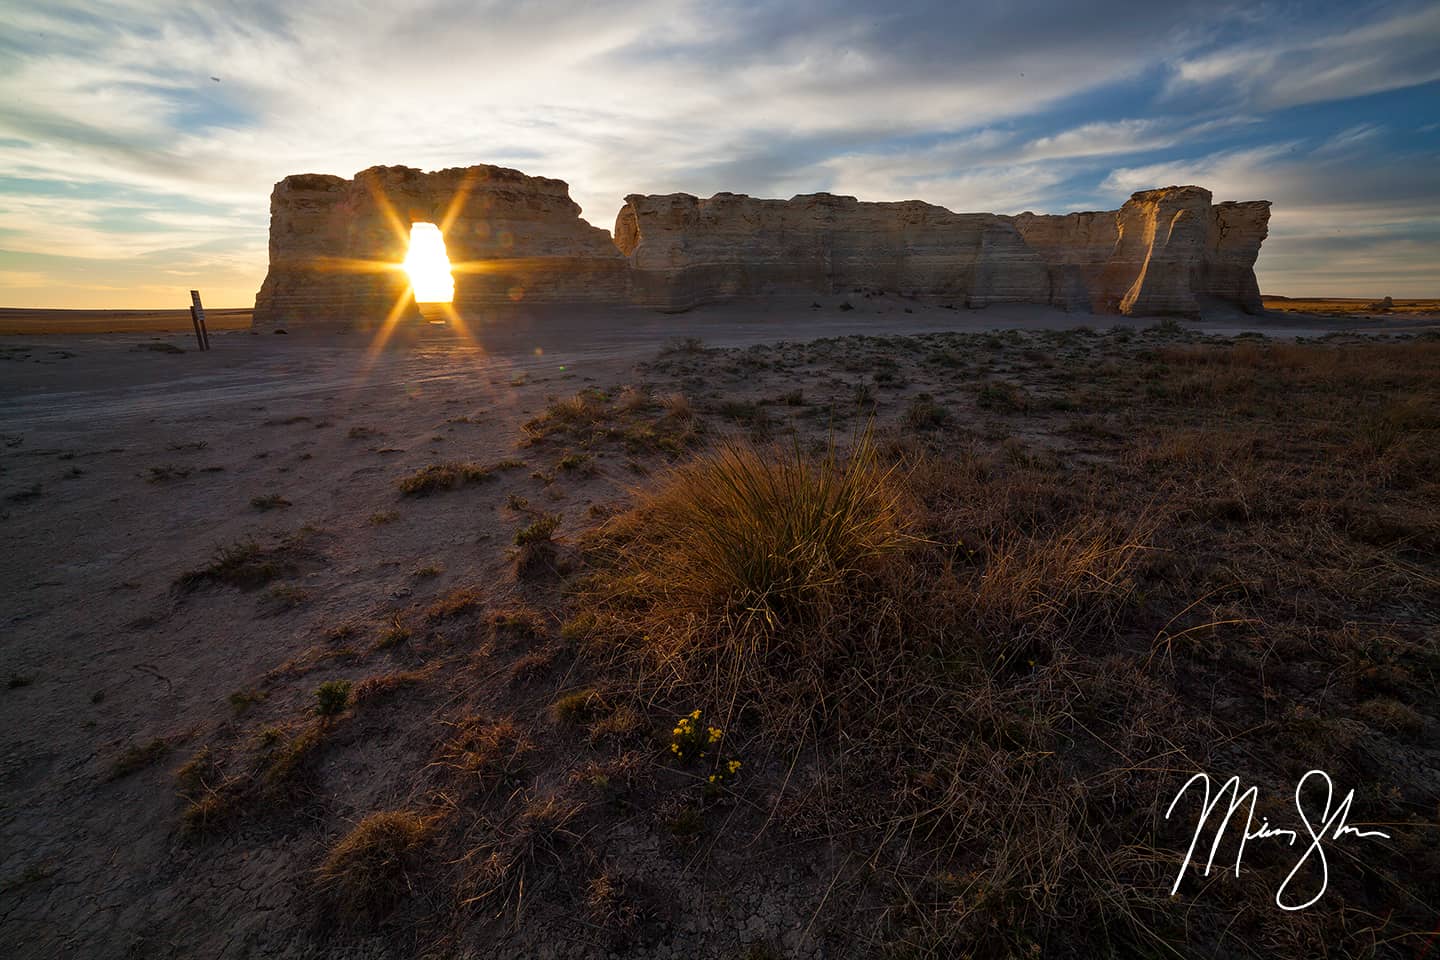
(335, 247)
(1162, 253)
(1165, 251)
(335, 244)
(684, 251)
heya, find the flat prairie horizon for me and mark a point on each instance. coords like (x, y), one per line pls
(27, 321)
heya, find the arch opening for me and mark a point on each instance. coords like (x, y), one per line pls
(428, 265)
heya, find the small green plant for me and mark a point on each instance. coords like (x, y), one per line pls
(1006, 397)
(138, 757)
(166, 472)
(332, 697)
(540, 531)
(242, 700)
(923, 412)
(577, 707)
(286, 597)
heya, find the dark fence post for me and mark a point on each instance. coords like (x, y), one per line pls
(197, 314)
(195, 319)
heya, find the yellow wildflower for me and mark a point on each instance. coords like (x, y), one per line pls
(734, 765)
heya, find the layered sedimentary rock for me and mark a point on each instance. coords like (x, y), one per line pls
(684, 251)
(336, 244)
(1163, 252)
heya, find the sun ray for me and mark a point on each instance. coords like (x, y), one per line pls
(457, 202)
(453, 319)
(387, 210)
(387, 328)
(352, 265)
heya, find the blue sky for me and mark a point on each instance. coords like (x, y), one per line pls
(128, 175)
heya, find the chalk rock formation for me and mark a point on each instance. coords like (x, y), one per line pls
(684, 251)
(1161, 253)
(335, 244)
(1164, 252)
(1233, 245)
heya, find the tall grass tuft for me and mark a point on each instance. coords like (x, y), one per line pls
(753, 562)
(770, 540)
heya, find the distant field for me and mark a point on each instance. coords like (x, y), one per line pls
(30, 322)
(1334, 305)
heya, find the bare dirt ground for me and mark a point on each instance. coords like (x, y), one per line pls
(132, 656)
(16, 320)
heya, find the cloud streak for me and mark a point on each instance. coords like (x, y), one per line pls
(115, 143)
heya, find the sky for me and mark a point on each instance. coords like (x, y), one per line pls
(128, 175)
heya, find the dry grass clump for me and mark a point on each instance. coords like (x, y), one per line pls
(493, 751)
(567, 415)
(383, 685)
(752, 544)
(138, 757)
(437, 477)
(607, 903)
(459, 601)
(244, 564)
(370, 869)
(517, 847)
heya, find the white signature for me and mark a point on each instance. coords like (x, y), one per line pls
(1330, 825)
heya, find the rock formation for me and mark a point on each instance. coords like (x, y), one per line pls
(335, 245)
(685, 251)
(1163, 252)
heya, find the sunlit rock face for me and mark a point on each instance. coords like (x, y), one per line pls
(336, 245)
(1164, 252)
(685, 251)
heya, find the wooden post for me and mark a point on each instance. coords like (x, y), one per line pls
(197, 313)
(195, 319)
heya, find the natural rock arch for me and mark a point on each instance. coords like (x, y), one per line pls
(517, 238)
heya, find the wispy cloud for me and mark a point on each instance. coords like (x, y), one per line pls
(109, 109)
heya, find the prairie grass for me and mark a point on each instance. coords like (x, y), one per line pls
(368, 870)
(438, 477)
(751, 554)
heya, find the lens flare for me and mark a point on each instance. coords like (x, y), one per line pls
(428, 265)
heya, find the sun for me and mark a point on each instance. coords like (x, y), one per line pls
(428, 265)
